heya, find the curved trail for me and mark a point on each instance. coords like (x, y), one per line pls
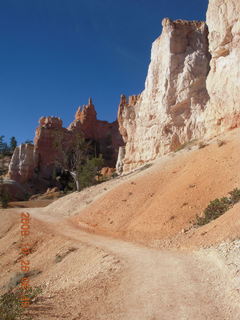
(161, 285)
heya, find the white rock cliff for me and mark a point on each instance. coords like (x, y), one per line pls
(192, 88)
(168, 112)
(223, 81)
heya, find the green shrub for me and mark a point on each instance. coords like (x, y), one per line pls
(87, 172)
(235, 196)
(10, 303)
(4, 198)
(218, 207)
(114, 175)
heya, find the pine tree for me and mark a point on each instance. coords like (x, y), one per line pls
(2, 144)
(13, 144)
(4, 196)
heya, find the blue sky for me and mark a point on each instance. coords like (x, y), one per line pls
(56, 53)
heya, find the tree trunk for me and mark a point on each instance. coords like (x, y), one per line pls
(74, 175)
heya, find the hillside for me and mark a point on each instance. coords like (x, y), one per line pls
(157, 203)
(140, 245)
(87, 276)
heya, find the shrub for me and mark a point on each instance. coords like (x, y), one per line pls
(59, 257)
(235, 196)
(87, 172)
(114, 175)
(10, 303)
(201, 145)
(218, 207)
(4, 198)
(220, 143)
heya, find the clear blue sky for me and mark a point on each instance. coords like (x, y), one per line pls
(56, 53)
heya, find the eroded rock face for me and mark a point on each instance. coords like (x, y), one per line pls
(51, 144)
(120, 160)
(168, 112)
(223, 81)
(21, 167)
(192, 91)
(38, 164)
(105, 134)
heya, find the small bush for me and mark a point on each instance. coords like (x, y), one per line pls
(59, 257)
(10, 303)
(87, 172)
(114, 175)
(220, 143)
(235, 196)
(218, 207)
(201, 145)
(4, 198)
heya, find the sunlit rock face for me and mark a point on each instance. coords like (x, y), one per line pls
(51, 144)
(105, 134)
(169, 111)
(223, 81)
(192, 91)
(21, 167)
(37, 164)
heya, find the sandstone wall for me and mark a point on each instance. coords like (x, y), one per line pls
(105, 134)
(223, 82)
(168, 112)
(21, 167)
(192, 91)
(192, 88)
(36, 165)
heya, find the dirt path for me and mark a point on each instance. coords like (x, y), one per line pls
(159, 285)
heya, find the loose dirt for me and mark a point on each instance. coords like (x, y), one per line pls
(165, 270)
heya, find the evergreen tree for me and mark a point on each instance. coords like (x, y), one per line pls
(2, 144)
(4, 196)
(82, 166)
(13, 144)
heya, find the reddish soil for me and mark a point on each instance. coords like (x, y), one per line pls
(97, 275)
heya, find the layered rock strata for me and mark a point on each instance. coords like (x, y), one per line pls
(21, 167)
(37, 164)
(168, 112)
(223, 81)
(192, 91)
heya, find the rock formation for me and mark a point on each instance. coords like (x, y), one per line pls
(120, 160)
(168, 111)
(192, 91)
(51, 144)
(35, 165)
(21, 167)
(223, 81)
(192, 88)
(104, 133)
